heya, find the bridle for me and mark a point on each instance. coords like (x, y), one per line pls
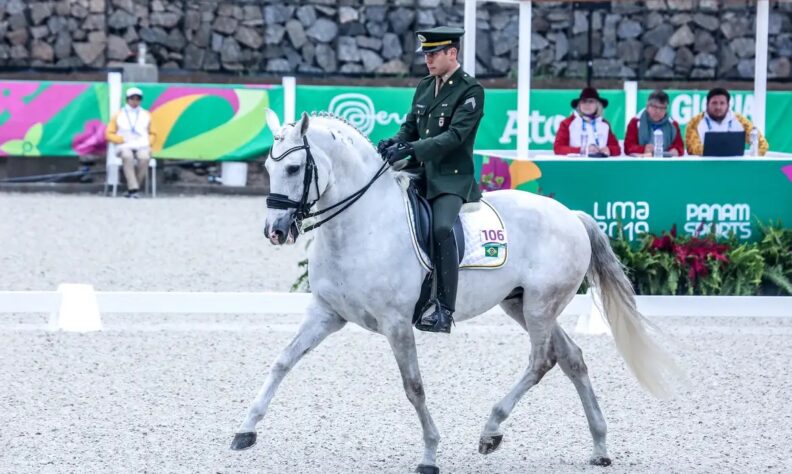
(302, 208)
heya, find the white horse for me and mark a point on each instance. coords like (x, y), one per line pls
(366, 250)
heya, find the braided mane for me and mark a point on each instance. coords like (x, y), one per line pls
(342, 120)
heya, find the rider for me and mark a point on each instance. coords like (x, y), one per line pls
(437, 137)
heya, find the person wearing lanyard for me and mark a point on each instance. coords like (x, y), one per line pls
(130, 129)
(587, 120)
(718, 118)
(639, 140)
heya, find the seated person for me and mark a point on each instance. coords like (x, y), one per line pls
(587, 119)
(639, 140)
(718, 118)
(130, 129)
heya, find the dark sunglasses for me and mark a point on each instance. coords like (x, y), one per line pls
(135, 97)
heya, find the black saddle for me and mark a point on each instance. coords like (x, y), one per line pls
(422, 219)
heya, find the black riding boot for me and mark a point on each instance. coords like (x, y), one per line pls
(446, 264)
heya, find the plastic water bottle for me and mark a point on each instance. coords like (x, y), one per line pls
(754, 142)
(584, 144)
(658, 143)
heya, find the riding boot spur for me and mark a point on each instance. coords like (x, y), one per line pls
(446, 266)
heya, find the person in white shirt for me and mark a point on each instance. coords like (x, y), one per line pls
(130, 129)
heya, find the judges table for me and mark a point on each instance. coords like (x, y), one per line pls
(652, 194)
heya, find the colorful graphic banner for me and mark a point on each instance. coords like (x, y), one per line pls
(194, 122)
(652, 195)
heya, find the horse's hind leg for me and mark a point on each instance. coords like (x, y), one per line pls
(317, 325)
(570, 359)
(402, 342)
(541, 361)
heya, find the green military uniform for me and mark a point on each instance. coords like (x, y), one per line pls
(441, 128)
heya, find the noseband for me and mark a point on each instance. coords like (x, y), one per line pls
(303, 207)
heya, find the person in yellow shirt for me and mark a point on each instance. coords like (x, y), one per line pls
(718, 118)
(130, 129)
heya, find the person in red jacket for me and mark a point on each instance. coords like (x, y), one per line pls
(639, 140)
(587, 121)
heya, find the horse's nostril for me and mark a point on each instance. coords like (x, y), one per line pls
(279, 235)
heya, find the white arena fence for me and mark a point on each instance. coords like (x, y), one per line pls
(77, 307)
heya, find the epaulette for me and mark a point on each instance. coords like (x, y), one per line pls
(469, 79)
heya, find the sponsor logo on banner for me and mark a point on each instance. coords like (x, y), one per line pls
(685, 106)
(727, 218)
(633, 216)
(358, 109)
(542, 128)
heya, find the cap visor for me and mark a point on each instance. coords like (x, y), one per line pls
(430, 50)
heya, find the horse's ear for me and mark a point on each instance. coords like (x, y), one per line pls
(272, 121)
(303, 124)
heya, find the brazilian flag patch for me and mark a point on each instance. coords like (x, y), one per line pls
(491, 250)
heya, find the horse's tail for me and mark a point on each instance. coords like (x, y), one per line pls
(654, 368)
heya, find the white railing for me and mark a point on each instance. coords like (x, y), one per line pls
(79, 308)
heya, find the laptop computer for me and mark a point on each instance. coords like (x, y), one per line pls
(724, 144)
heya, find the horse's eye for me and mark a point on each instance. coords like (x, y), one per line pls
(291, 170)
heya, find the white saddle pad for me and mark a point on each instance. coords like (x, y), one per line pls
(486, 243)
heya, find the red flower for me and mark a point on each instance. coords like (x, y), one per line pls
(695, 254)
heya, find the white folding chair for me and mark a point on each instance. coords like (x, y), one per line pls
(113, 167)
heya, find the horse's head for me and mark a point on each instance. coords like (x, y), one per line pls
(296, 182)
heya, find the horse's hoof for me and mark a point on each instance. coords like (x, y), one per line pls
(243, 441)
(490, 443)
(600, 461)
(427, 469)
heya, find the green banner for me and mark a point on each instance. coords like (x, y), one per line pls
(498, 129)
(686, 104)
(378, 112)
(652, 195)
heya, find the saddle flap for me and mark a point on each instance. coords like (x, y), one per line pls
(422, 223)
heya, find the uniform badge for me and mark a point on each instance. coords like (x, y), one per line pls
(441, 121)
(422, 38)
(472, 102)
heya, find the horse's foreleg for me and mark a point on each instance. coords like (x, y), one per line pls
(570, 359)
(317, 325)
(541, 361)
(402, 342)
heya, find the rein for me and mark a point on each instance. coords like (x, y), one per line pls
(303, 207)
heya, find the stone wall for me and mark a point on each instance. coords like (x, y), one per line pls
(654, 39)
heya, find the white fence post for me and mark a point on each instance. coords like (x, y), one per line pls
(760, 64)
(523, 79)
(469, 40)
(630, 101)
(112, 162)
(78, 310)
(289, 99)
